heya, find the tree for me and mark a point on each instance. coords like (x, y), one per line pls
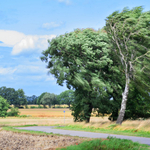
(129, 33)
(39, 98)
(9, 94)
(4, 106)
(32, 99)
(48, 98)
(66, 97)
(14, 97)
(80, 59)
(20, 98)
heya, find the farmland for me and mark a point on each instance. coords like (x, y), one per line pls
(55, 116)
(46, 112)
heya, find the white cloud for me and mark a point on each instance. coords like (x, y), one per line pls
(51, 25)
(4, 71)
(65, 1)
(21, 42)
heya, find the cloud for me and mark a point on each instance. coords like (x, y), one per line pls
(51, 25)
(65, 1)
(4, 71)
(23, 43)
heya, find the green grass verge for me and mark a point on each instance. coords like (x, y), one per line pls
(109, 144)
(109, 130)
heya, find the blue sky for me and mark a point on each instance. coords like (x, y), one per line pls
(25, 27)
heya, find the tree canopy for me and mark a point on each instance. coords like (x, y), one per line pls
(105, 66)
(48, 99)
(15, 97)
(66, 97)
(129, 34)
(4, 106)
(80, 59)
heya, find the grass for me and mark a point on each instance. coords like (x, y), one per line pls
(109, 144)
(112, 129)
(98, 144)
(97, 124)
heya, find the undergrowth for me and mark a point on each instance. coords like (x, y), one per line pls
(109, 144)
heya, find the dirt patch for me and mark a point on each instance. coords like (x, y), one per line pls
(22, 141)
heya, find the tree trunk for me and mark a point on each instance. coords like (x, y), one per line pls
(88, 113)
(124, 101)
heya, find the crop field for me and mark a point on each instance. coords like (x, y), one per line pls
(49, 112)
(55, 116)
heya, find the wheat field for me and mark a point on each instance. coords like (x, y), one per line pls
(50, 112)
(53, 116)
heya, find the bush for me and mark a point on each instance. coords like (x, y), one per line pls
(4, 106)
(39, 106)
(26, 106)
(21, 107)
(13, 112)
(24, 116)
(59, 107)
(35, 107)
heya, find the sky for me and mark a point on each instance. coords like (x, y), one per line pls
(25, 27)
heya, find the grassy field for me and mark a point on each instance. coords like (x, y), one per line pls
(56, 117)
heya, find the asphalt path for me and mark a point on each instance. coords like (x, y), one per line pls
(49, 129)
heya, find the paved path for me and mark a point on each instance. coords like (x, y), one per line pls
(49, 129)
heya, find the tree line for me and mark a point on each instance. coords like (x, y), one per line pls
(18, 98)
(108, 69)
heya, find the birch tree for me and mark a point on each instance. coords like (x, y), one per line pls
(129, 33)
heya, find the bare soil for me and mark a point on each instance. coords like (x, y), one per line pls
(23, 141)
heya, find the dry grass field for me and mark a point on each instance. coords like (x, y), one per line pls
(21, 141)
(56, 116)
(49, 112)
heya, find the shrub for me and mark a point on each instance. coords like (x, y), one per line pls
(21, 107)
(39, 106)
(4, 106)
(14, 112)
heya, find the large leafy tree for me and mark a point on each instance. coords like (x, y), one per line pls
(80, 59)
(66, 97)
(129, 33)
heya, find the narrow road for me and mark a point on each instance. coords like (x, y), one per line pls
(49, 129)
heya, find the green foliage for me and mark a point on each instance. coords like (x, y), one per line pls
(108, 129)
(13, 112)
(4, 106)
(111, 144)
(17, 98)
(80, 59)
(35, 107)
(129, 35)
(24, 116)
(32, 99)
(39, 98)
(48, 99)
(66, 97)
